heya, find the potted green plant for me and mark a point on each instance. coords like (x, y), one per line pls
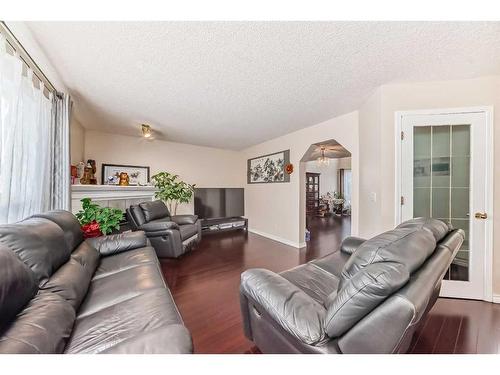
(96, 220)
(172, 190)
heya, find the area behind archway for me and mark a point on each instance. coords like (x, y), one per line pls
(325, 174)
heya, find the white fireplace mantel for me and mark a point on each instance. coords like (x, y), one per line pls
(110, 195)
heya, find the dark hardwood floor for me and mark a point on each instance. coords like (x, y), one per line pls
(326, 235)
(456, 326)
(205, 283)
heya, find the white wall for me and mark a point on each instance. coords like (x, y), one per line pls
(484, 91)
(77, 141)
(370, 159)
(278, 210)
(203, 166)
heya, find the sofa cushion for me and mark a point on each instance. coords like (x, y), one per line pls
(125, 260)
(185, 219)
(154, 210)
(17, 285)
(188, 231)
(87, 256)
(313, 280)
(120, 286)
(147, 312)
(70, 282)
(40, 243)
(116, 243)
(44, 326)
(137, 215)
(438, 228)
(160, 225)
(350, 244)
(171, 339)
(332, 263)
(361, 294)
(73, 233)
(407, 246)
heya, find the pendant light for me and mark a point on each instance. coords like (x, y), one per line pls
(323, 161)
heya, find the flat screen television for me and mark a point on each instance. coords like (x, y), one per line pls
(216, 203)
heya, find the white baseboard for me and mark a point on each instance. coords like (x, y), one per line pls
(297, 245)
(496, 298)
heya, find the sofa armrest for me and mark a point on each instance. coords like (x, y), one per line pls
(118, 243)
(350, 244)
(158, 226)
(172, 339)
(289, 306)
(185, 219)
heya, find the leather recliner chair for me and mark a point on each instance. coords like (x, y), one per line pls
(171, 236)
(369, 297)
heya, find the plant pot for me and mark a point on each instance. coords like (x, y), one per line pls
(91, 230)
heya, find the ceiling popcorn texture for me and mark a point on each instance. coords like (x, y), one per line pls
(236, 84)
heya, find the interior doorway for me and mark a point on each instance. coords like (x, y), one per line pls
(328, 187)
(444, 172)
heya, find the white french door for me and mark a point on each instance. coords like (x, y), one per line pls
(444, 174)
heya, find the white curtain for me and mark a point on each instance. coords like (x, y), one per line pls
(29, 143)
(61, 158)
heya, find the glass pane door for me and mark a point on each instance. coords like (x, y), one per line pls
(441, 183)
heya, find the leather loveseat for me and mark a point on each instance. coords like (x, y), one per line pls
(369, 297)
(60, 293)
(171, 236)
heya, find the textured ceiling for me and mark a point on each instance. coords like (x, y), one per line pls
(235, 84)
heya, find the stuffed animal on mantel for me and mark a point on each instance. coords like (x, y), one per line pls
(124, 179)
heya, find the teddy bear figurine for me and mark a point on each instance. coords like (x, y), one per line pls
(124, 179)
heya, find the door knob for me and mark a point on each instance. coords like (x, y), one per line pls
(481, 215)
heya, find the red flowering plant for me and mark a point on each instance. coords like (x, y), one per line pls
(96, 220)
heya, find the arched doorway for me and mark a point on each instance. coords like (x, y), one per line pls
(327, 196)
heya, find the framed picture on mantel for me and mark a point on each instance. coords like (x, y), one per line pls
(138, 175)
(268, 168)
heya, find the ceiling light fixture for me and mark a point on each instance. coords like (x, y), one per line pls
(323, 161)
(146, 131)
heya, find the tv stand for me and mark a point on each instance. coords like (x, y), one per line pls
(224, 224)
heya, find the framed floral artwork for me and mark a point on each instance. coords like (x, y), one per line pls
(268, 168)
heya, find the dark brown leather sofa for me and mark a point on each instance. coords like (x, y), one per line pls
(60, 293)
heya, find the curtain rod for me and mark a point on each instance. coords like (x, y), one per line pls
(25, 57)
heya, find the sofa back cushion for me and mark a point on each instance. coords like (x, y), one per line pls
(361, 294)
(408, 245)
(136, 215)
(17, 285)
(39, 243)
(71, 282)
(154, 210)
(69, 224)
(43, 326)
(379, 268)
(87, 256)
(390, 326)
(438, 228)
